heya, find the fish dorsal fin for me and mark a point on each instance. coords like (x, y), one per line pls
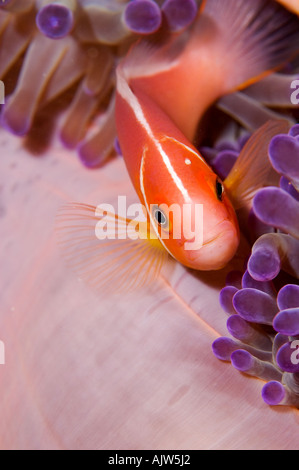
(253, 166)
(103, 250)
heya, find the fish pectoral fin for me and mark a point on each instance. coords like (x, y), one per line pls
(253, 168)
(103, 250)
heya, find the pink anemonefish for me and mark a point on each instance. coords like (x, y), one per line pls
(163, 89)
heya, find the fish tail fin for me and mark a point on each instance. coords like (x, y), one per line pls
(255, 37)
(247, 39)
(103, 249)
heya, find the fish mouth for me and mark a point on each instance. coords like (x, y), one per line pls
(227, 227)
(211, 240)
(217, 250)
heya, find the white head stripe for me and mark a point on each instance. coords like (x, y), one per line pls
(128, 95)
(146, 203)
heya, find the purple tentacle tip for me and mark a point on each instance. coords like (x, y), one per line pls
(179, 13)
(284, 156)
(143, 16)
(223, 348)
(288, 297)
(226, 299)
(16, 124)
(87, 156)
(255, 306)
(294, 131)
(55, 21)
(273, 393)
(264, 264)
(287, 322)
(242, 360)
(3, 3)
(224, 162)
(287, 357)
(277, 208)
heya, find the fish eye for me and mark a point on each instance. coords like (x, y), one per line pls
(160, 217)
(219, 190)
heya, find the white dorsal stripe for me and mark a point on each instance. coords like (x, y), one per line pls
(189, 149)
(128, 95)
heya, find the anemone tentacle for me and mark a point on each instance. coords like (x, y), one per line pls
(265, 307)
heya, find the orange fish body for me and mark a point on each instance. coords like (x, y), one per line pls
(165, 170)
(158, 106)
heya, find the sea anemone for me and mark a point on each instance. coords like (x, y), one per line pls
(49, 48)
(263, 303)
(88, 372)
